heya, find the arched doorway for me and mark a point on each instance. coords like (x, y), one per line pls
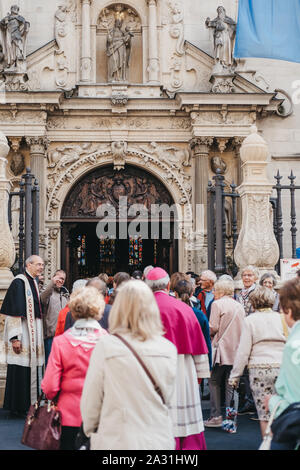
(118, 221)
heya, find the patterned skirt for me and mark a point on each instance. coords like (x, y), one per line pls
(262, 382)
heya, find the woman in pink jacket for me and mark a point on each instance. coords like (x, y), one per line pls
(69, 360)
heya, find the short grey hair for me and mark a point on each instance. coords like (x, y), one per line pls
(79, 284)
(251, 268)
(225, 286)
(159, 284)
(210, 275)
(262, 297)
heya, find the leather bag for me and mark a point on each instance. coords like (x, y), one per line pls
(42, 429)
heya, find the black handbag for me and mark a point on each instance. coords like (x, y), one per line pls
(82, 442)
(286, 427)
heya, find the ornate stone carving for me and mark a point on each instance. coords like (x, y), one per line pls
(119, 150)
(129, 16)
(176, 28)
(104, 187)
(17, 164)
(217, 163)
(14, 30)
(37, 144)
(224, 34)
(15, 81)
(222, 142)
(64, 156)
(103, 156)
(201, 144)
(256, 244)
(7, 247)
(118, 51)
(173, 156)
(60, 27)
(222, 84)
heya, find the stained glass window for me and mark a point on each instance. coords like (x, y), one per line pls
(81, 251)
(107, 254)
(135, 251)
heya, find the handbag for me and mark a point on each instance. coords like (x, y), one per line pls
(82, 442)
(286, 427)
(156, 387)
(42, 429)
(267, 439)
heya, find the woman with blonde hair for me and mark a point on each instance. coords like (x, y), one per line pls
(261, 347)
(69, 359)
(121, 407)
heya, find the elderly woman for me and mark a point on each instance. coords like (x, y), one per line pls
(260, 349)
(287, 386)
(204, 293)
(269, 280)
(226, 321)
(69, 360)
(249, 277)
(121, 408)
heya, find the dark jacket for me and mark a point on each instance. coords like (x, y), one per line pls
(103, 321)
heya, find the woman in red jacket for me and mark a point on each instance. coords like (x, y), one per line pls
(69, 359)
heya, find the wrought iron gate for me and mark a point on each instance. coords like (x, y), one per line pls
(220, 246)
(278, 216)
(28, 218)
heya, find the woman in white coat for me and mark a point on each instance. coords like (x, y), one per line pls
(120, 407)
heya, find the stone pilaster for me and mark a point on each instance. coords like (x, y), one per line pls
(86, 59)
(38, 164)
(7, 247)
(153, 62)
(200, 148)
(256, 244)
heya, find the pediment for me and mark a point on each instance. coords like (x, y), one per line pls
(199, 67)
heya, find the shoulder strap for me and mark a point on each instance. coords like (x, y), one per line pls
(156, 387)
(284, 325)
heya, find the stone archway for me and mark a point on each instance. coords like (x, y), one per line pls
(65, 172)
(143, 229)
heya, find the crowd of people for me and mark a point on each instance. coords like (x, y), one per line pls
(126, 357)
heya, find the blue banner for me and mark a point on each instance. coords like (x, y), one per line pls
(269, 29)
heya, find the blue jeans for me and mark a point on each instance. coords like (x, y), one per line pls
(48, 345)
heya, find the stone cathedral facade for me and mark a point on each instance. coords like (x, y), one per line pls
(141, 99)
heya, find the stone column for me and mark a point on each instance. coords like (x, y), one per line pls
(256, 244)
(86, 58)
(153, 62)
(38, 164)
(200, 148)
(7, 246)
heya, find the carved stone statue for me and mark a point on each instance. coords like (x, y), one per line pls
(118, 51)
(217, 163)
(17, 165)
(13, 37)
(60, 27)
(224, 33)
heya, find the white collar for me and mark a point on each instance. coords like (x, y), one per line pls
(86, 323)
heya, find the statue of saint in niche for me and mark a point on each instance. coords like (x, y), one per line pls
(13, 35)
(224, 33)
(118, 51)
